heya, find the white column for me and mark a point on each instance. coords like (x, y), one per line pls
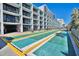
(46, 20)
(32, 18)
(21, 19)
(38, 19)
(43, 20)
(2, 26)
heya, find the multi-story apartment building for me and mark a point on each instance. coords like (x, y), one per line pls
(45, 10)
(20, 17)
(10, 17)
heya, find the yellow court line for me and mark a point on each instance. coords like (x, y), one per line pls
(36, 45)
(15, 50)
(31, 36)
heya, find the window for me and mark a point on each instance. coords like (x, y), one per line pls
(41, 13)
(45, 14)
(10, 18)
(41, 22)
(4, 17)
(35, 9)
(45, 19)
(26, 21)
(26, 13)
(26, 27)
(45, 9)
(35, 16)
(35, 22)
(41, 18)
(10, 8)
(26, 5)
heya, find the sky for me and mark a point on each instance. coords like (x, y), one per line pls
(61, 10)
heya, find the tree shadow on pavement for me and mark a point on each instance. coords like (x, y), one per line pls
(3, 43)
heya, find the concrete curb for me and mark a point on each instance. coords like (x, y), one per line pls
(74, 45)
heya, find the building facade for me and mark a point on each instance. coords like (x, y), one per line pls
(20, 17)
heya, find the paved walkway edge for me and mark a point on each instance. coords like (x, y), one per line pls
(74, 45)
(17, 51)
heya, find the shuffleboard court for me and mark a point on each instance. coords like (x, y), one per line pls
(24, 42)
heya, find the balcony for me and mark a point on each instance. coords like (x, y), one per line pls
(10, 13)
(26, 9)
(41, 23)
(35, 10)
(17, 5)
(35, 16)
(25, 13)
(35, 22)
(27, 5)
(45, 26)
(26, 17)
(35, 13)
(45, 15)
(26, 27)
(10, 18)
(44, 19)
(41, 13)
(26, 21)
(41, 18)
(10, 8)
(41, 27)
(35, 27)
(45, 23)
